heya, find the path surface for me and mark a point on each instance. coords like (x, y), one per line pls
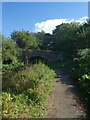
(64, 102)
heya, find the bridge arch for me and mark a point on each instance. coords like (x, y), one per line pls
(45, 56)
(37, 58)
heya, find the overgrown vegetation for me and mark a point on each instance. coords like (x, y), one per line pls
(26, 91)
(26, 86)
(81, 70)
(73, 41)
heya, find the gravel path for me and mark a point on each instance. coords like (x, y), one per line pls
(64, 101)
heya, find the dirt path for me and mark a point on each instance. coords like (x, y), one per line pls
(64, 102)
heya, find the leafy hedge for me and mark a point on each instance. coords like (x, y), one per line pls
(27, 91)
(81, 70)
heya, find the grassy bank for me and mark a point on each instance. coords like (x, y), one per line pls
(27, 91)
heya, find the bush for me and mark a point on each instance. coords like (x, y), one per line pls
(81, 70)
(85, 83)
(31, 78)
(13, 106)
(14, 66)
(30, 87)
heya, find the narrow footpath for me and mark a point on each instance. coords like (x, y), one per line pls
(64, 100)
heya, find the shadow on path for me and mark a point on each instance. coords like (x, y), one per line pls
(72, 88)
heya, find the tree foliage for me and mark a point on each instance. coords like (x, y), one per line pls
(65, 38)
(45, 40)
(24, 39)
(9, 51)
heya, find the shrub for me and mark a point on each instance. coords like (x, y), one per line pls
(29, 87)
(81, 70)
(13, 106)
(85, 83)
(14, 66)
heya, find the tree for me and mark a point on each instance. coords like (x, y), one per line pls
(9, 51)
(40, 38)
(45, 40)
(83, 36)
(24, 39)
(65, 38)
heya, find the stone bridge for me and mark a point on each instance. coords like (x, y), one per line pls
(43, 55)
(46, 55)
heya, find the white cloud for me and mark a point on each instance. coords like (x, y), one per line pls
(50, 25)
(81, 20)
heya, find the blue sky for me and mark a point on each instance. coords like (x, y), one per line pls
(25, 15)
(0, 17)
